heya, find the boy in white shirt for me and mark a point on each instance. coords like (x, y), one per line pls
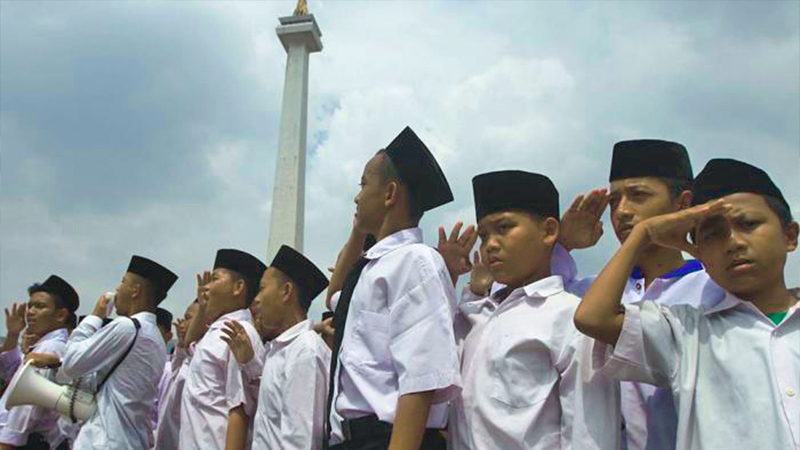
(528, 380)
(733, 368)
(648, 178)
(294, 380)
(128, 356)
(394, 363)
(217, 401)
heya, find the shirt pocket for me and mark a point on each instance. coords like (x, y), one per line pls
(523, 373)
(371, 336)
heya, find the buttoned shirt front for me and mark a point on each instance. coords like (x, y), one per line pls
(399, 335)
(293, 392)
(734, 374)
(122, 418)
(17, 423)
(528, 377)
(167, 431)
(649, 413)
(215, 385)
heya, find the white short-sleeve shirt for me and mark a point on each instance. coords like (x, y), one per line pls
(215, 385)
(734, 374)
(528, 377)
(399, 335)
(293, 392)
(649, 413)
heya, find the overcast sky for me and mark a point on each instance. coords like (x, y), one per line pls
(150, 127)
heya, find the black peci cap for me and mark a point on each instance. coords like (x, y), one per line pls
(154, 272)
(510, 190)
(419, 170)
(721, 177)
(650, 158)
(58, 286)
(302, 271)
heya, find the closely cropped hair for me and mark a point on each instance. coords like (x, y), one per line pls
(676, 186)
(57, 300)
(389, 172)
(250, 286)
(780, 209)
(301, 294)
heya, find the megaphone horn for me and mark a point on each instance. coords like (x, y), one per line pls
(29, 388)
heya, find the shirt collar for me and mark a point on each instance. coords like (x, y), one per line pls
(394, 241)
(145, 316)
(296, 330)
(238, 315)
(55, 335)
(731, 301)
(543, 288)
(688, 267)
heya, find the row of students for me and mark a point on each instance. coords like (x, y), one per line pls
(518, 360)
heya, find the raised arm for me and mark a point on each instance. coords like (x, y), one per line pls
(581, 226)
(348, 257)
(199, 323)
(600, 314)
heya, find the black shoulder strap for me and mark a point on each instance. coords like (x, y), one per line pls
(130, 347)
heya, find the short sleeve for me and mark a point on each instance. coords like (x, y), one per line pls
(648, 349)
(422, 342)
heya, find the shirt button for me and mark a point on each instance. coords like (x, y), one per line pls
(790, 392)
(639, 286)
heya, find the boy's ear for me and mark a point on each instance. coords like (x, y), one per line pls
(391, 193)
(792, 231)
(62, 315)
(551, 228)
(684, 200)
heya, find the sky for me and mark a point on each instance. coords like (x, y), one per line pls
(151, 128)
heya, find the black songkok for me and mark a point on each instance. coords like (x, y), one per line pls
(243, 263)
(161, 277)
(419, 170)
(650, 158)
(164, 318)
(58, 286)
(303, 272)
(721, 177)
(511, 190)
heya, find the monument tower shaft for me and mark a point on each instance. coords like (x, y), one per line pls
(300, 37)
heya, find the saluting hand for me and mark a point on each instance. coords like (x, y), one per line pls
(238, 340)
(15, 319)
(480, 279)
(671, 230)
(455, 249)
(580, 225)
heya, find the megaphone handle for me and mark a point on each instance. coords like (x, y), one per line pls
(72, 399)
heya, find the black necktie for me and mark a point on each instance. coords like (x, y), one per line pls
(339, 322)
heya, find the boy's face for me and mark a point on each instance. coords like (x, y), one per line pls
(270, 298)
(370, 208)
(124, 293)
(632, 200)
(516, 245)
(221, 290)
(745, 250)
(42, 316)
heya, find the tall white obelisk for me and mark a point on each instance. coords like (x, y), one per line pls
(300, 36)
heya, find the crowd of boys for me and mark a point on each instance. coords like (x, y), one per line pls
(656, 352)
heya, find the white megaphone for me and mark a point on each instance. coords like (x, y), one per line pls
(29, 388)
